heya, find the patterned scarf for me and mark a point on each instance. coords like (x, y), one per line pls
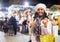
(36, 29)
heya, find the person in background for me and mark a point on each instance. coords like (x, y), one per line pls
(5, 26)
(55, 26)
(29, 19)
(24, 26)
(12, 21)
(54, 21)
(6, 19)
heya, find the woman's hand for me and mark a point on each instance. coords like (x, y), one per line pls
(32, 23)
(44, 23)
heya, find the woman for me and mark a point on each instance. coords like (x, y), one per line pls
(40, 14)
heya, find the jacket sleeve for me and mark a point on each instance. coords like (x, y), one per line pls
(50, 27)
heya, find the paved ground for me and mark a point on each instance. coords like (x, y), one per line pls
(18, 38)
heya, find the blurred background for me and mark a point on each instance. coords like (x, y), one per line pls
(7, 7)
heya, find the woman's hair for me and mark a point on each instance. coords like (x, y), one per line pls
(37, 15)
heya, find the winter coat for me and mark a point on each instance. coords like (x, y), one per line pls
(36, 30)
(12, 21)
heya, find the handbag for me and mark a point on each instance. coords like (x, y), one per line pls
(47, 38)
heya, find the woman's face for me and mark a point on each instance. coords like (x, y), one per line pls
(40, 11)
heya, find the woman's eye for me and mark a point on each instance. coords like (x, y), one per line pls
(41, 9)
(38, 9)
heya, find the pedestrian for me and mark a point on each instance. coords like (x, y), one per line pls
(13, 23)
(4, 26)
(24, 26)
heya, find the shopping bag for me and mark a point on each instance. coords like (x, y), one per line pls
(47, 38)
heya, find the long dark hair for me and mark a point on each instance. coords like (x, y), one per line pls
(44, 15)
